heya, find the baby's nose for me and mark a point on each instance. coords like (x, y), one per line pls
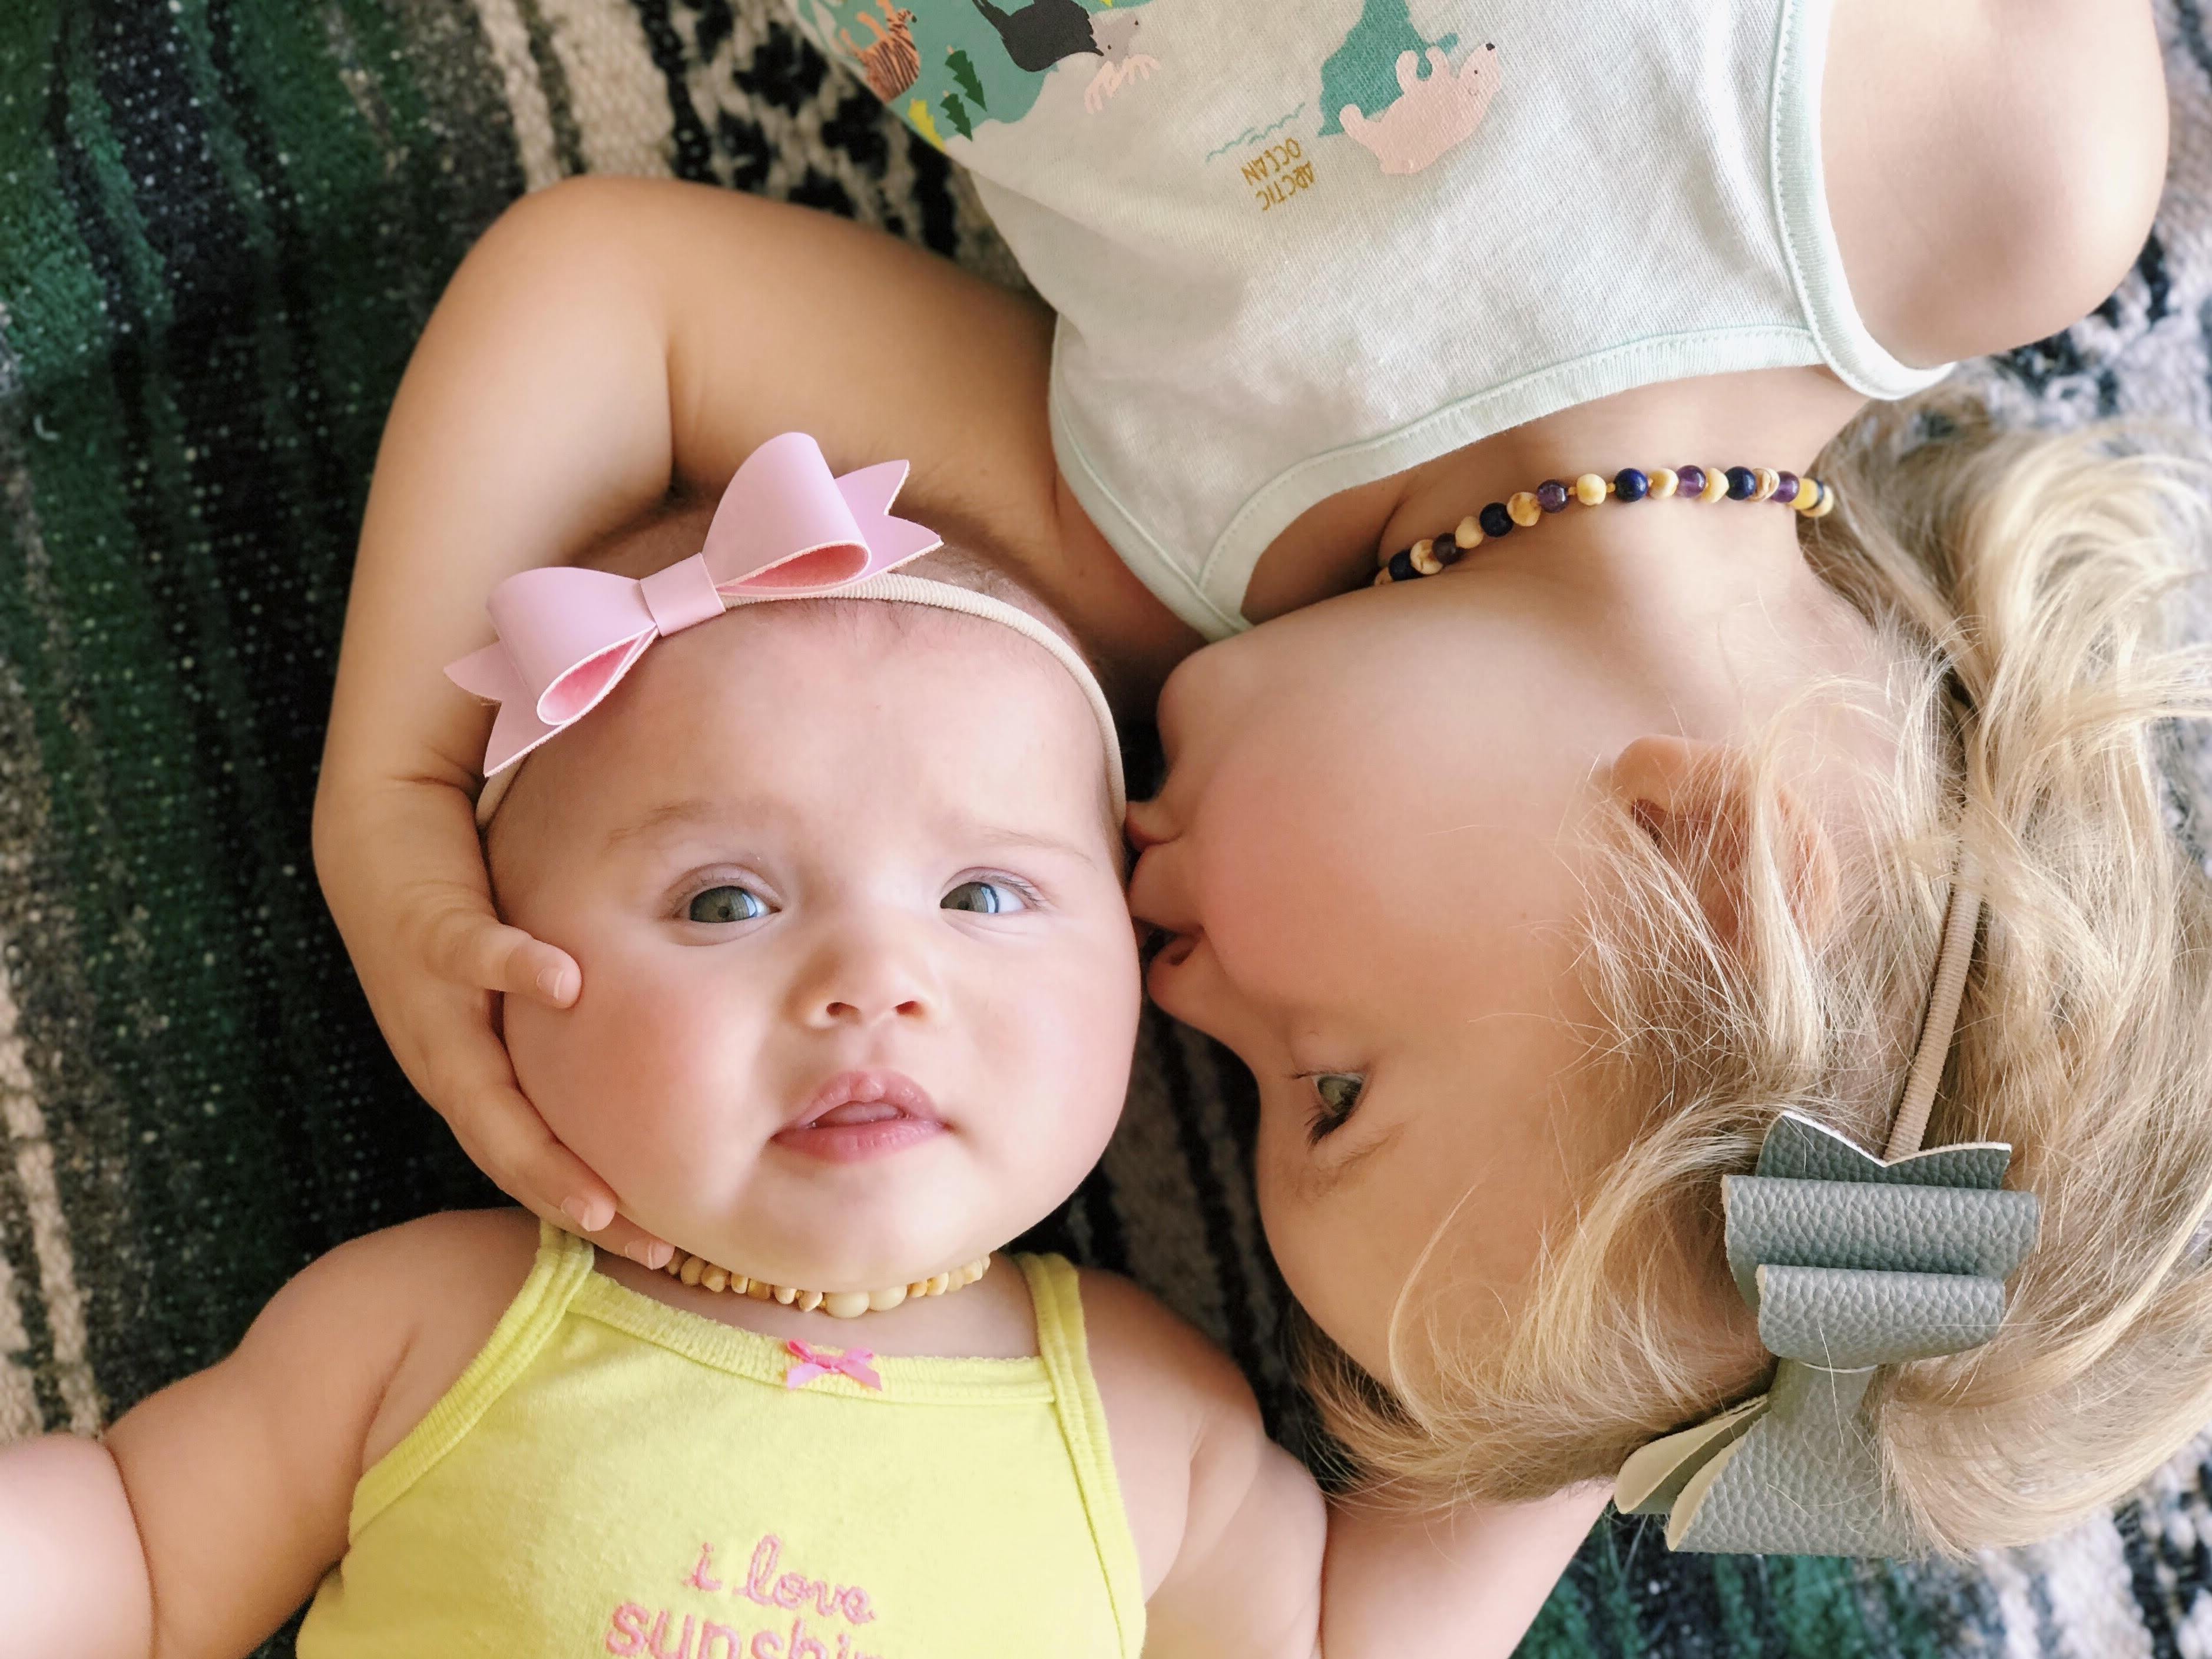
(864, 978)
(865, 1007)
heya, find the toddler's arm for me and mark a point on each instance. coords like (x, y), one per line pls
(212, 1509)
(607, 339)
(1395, 1582)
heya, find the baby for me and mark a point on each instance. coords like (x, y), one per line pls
(844, 875)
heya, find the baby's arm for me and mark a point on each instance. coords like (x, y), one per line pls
(1229, 1527)
(1243, 1557)
(607, 339)
(212, 1509)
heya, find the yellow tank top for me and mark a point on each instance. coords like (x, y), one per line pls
(613, 1476)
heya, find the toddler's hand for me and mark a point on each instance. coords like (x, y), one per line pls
(404, 872)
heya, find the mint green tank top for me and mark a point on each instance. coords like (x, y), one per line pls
(1297, 248)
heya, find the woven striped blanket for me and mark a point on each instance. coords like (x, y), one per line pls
(222, 223)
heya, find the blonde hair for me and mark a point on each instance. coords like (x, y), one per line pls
(2021, 588)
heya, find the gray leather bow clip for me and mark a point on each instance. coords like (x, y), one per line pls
(1851, 1264)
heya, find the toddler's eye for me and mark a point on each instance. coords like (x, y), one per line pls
(723, 905)
(984, 898)
(1336, 1097)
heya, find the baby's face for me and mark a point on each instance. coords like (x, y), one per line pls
(859, 985)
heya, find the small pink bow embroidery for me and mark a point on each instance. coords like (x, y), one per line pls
(785, 528)
(813, 1362)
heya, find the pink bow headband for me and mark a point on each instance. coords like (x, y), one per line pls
(786, 529)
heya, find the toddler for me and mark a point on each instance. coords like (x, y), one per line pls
(1600, 700)
(844, 875)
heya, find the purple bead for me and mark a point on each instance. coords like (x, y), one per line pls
(1495, 520)
(1690, 480)
(1401, 565)
(1552, 496)
(1630, 485)
(1786, 491)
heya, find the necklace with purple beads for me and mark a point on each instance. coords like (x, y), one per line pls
(1431, 554)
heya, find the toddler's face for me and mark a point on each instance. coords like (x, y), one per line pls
(859, 984)
(1363, 846)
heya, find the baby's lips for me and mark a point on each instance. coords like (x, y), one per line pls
(864, 1087)
(860, 1117)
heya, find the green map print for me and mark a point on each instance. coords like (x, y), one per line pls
(968, 74)
(1364, 70)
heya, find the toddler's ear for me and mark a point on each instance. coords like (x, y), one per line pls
(1697, 802)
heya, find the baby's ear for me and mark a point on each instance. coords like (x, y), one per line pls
(1697, 802)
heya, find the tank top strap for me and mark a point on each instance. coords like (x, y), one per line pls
(1058, 1299)
(562, 1267)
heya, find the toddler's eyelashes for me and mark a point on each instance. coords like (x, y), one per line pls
(1335, 1097)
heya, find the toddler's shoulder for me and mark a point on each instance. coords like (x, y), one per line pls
(1992, 168)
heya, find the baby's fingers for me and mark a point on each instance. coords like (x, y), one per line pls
(469, 947)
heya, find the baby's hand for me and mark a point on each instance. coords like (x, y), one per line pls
(404, 872)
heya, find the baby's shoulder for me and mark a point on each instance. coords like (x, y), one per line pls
(1230, 1529)
(439, 1286)
(1173, 1402)
(1139, 1343)
(366, 1338)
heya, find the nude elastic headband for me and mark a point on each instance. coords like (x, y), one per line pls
(786, 529)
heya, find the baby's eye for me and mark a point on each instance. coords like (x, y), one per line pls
(723, 905)
(1336, 1097)
(985, 899)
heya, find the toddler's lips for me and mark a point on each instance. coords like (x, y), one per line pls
(858, 1115)
(1171, 949)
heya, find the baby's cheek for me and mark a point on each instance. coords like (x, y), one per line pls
(1069, 1040)
(622, 1077)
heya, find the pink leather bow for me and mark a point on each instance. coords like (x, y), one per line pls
(813, 1362)
(785, 528)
